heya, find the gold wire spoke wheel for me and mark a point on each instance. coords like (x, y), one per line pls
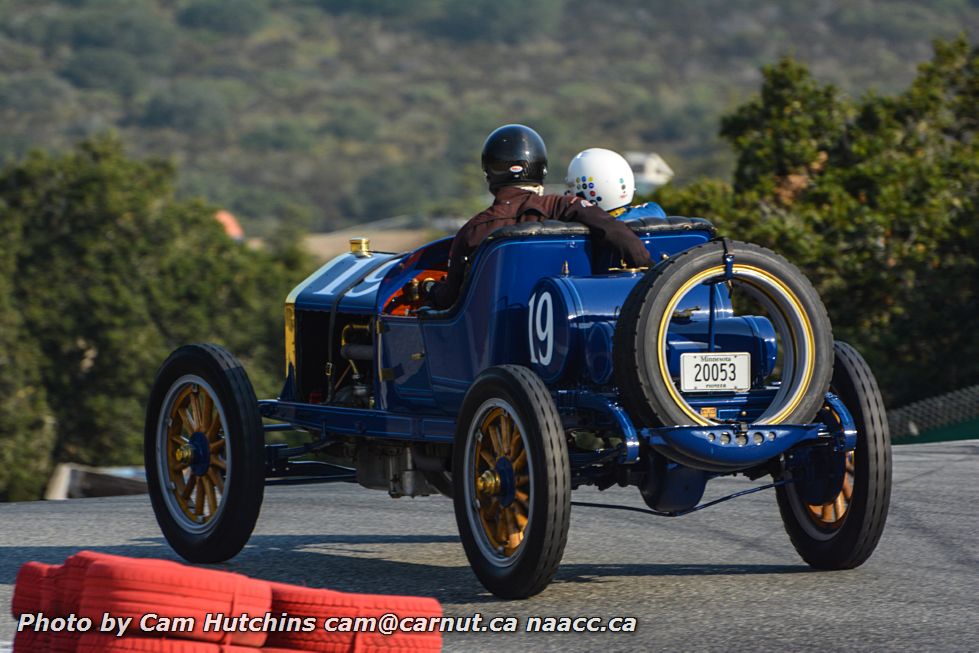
(830, 515)
(512, 495)
(502, 484)
(194, 452)
(204, 451)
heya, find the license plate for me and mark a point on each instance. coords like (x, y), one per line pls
(709, 372)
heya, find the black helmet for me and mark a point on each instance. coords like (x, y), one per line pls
(514, 154)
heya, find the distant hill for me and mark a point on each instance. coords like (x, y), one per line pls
(349, 111)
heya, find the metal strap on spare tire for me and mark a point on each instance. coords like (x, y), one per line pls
(333, 317)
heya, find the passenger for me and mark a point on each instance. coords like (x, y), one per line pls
(606, 178)
(515, 163)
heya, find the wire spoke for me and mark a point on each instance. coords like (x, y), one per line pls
(501, 534)
(216, 479)
(196, 411)
(188, 419)
(521, 460)
(213, 429)
(487, 458)
(488, 529)
(827, 512)
(505, 434)
(513, 533)
(199, 497)
(516, 442)
(207, 412)
(212, 497)
(497, 440)
(188, 488)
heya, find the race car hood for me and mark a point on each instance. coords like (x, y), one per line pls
(351, 279)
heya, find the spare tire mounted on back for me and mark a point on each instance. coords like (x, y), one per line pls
(651, 392)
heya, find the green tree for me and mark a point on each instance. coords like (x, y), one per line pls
(26, 422)
(104, 69)
(876, 199)
(237, 17)
(111, 273)
(192, 106)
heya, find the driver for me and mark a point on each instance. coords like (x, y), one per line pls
(515, 163)
(606, 178)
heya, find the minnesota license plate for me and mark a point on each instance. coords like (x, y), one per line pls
(711, 372)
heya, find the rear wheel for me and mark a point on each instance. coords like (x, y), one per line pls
(512, 482)
(204, 453)
(843, 532)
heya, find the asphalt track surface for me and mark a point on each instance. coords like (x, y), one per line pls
(725, 578)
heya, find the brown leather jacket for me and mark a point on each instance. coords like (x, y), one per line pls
(513, 205)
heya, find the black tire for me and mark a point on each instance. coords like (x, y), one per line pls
(850, 539)
(647, 391)
(520, 570)
(234, 464)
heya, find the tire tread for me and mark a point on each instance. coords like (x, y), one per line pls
(855, 542)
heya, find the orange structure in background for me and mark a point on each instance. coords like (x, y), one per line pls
(231, 225)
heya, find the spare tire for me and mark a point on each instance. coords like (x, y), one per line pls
(646, 385)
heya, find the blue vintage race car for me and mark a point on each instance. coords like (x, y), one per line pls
(556, 368)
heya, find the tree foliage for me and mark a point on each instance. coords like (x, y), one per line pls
(238, 17)
(26, 420)
(268, 104)
(876, 199)
(107, 273)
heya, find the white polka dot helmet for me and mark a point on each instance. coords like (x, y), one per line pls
(602, 176)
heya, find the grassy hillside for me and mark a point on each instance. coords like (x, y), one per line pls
(334, 112)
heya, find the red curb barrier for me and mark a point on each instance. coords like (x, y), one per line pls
(92, 584)
(27, 641)
(323, 604)
(32, 589)
(134, 589)
(99, 643)
(72, 578)
(63, 642)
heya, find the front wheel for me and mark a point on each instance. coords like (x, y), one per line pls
(204, 453)
(512, 482)
(842, 533)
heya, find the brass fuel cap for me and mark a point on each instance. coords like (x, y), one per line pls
(360, 247)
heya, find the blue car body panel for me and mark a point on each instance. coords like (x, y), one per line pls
(321, 289)
(425, 362)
